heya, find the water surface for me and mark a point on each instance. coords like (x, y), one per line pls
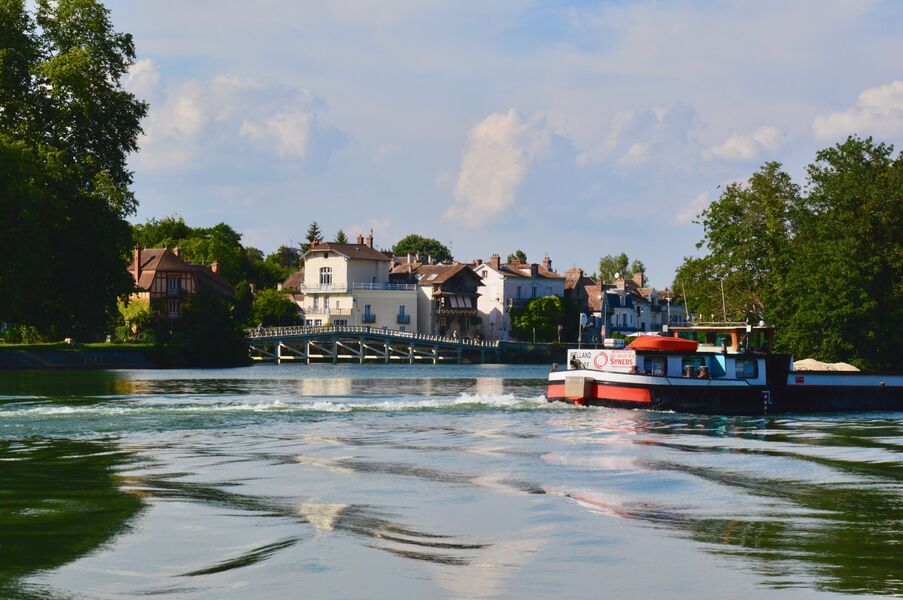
(328, 481)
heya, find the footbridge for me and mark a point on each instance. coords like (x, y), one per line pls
(362, 344)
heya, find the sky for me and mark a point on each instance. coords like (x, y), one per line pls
(567, 129)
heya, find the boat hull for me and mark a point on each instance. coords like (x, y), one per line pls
(719, 397)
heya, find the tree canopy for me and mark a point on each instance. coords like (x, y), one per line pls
(619, 265)
(825, 265)
(220, 243)
(313, 233)
(340, 237)
(67, 127)
(271, 308)
(517, 257)
(416, 244)
(542, 315)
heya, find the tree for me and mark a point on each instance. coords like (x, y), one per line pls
(313, 234)
(517, 257)
(748, 232)
(206, 335)
(842, 296)
(66, 129)
(415, 244)
(610, 265)
(271, 308)
(542, 315)
(637, 266)
(340, 237)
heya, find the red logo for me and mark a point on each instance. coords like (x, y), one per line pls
(601, 360)
(800, 379)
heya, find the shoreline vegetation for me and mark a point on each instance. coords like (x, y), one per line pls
(820, 262)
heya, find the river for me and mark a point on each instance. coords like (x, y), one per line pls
(374, 481)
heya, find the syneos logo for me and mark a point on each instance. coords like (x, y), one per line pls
(601, 360)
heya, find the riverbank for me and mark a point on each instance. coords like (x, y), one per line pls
(81, 356)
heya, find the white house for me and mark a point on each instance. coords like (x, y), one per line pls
(512, 285)
(348, 284)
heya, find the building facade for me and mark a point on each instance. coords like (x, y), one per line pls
(508, 286)
(164, 279)
(447, 296)
(348, 284)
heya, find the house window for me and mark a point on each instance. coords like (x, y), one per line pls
(401, 310)
(518, 292)
(325, 276)
(316, 302)
(747, 369)
(173, 283)
(534, 292)
(173, 306)
(340, 322)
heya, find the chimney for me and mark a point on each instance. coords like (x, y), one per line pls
(479, 261)
(214, 266)
(534, 270)
(360, 238)
(370, 239)
(137, 263)
(547, 263)
(409, 258)
(638, 279)
(429, 259)
(495, 261)
(176, 251)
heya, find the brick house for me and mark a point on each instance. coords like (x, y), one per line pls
(165, 279)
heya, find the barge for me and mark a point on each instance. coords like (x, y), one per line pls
(723, 370)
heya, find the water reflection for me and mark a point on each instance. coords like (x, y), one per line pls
(58, 501)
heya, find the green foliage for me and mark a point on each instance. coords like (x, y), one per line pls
(540, 314)
(313, 233)
(415, 244)
(220, 243)
(137, 319)
(66, 129)
(517, 257)
(272, 308)
(340, 237)
(824, 267)
(611, 265)
(206, 335)
(286, 258)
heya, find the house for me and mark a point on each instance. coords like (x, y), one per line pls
(446, 296)
(348, 284)
(630, 307)
(165, 279)
(293, 288)
(510, 286)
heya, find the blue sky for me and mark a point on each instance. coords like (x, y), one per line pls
(576, 129)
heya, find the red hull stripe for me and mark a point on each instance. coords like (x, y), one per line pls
(628, 394)
(607, 392)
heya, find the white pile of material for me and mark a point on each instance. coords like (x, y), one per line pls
(810, 364)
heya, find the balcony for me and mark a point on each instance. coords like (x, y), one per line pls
(368, 318)
(404, 319)
(332, 312)
(323, 288)
(392, 287)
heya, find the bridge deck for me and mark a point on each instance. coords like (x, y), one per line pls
(362, 343)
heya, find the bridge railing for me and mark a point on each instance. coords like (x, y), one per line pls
(298, 330)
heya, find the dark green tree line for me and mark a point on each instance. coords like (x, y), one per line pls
(66, 129)
(824, 264)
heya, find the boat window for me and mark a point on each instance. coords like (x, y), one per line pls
(747, 368)
(693, 362)
(654, 366)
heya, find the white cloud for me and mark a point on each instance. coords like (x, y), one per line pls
(692, 209)
(143, 79)
(230, 119)
(660, 134)
(878, 111)
(747, 147)
(499, 152)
